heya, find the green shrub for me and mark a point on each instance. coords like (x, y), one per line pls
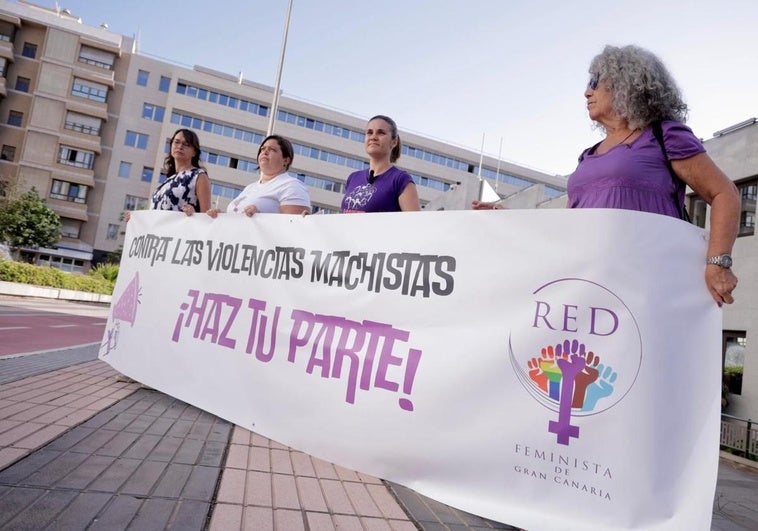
(51, 277)
(106, 271)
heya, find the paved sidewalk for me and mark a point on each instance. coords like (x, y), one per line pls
(81, 450)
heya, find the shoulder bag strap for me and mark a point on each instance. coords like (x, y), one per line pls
(678, 183)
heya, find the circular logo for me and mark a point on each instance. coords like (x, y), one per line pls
(578, 349)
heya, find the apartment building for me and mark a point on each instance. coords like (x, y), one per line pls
(87, 119)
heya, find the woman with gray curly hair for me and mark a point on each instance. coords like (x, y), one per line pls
(648, 155)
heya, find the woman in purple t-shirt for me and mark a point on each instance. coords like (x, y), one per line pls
(381, 187)
(630, 94)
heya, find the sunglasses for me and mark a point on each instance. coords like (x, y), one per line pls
(594, 82)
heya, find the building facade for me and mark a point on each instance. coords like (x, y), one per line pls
(735, 151)
(87, 119)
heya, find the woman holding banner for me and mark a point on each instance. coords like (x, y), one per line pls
(648, 156)
(276, 192)
(382, 187)
(187, 187)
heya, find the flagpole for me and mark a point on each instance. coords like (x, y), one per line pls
(481, 161)
(275, 102)
(497, 173)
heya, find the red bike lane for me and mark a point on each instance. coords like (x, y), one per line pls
(26, 332)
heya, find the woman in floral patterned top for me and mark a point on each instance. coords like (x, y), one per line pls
(187, 186)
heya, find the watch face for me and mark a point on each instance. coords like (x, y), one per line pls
(725, 261)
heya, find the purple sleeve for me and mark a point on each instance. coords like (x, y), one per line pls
(402, 179)
(681, 143)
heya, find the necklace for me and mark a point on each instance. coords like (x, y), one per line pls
(626, 138)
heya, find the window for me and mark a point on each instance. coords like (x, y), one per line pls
(63, 263)
(66, 191)
(748, 195)
(23, 83)
(135, 203)
(698, 211)
(164, 84)
(76, 157)
(142, 78)
(8, 153)
(735, 345)
(82, 123)
(15, 118)
(3, 66)
(137, 140)
(153, 112)
(96, 57)
(147, 174)
(29, 50)
(112, 233)
(89, 90)
(7, 31)
(70, 228)
(124, 169)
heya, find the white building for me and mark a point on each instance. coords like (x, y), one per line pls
(88, 122)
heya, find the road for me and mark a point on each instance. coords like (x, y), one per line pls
(36, 325)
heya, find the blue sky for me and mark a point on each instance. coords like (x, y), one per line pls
(459, 69)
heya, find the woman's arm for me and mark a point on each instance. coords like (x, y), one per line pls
(710, 183)
(294, 209)
(408, 199)
(203, 191)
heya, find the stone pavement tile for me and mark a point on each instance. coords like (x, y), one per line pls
(347, 522)
(336, 497)
(289, 520)
(226, 516)
(311, 497)
(258, 489)
(96, 477)
(285, 492)
(43, 413)
(319, 521)
(258, 519)
(117, 514)
(360, 498)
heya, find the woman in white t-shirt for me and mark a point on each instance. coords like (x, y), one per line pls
(276, 192)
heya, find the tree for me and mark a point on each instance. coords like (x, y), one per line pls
(28, 222)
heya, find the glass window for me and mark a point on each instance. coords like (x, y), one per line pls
(164, 84)
(89, 90)
(30, 50)
(124, 168)
(132, 202)
(76, 157)
(147, 174)
(142, 77)
(15, 118)
(748, 195)
(82, 123)
(735, 347)
(137, 140)
(181, 88)
(67, 191)
(112, 233)
(8, 153)
(23, 83)
(97, 57)
(7, 31)
(153, 112)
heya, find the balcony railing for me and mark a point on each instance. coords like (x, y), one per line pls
(740, 435)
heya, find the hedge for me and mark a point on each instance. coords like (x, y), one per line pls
(99, 280)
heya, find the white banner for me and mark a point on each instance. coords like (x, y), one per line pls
(551, 369)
